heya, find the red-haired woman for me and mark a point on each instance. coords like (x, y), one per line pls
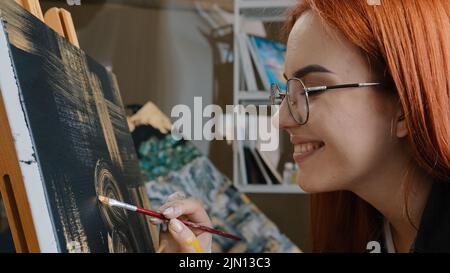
(367, 106)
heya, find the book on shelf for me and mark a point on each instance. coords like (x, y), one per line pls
(268, 178)
(271, 160)
(248, 25)
(211, 16)
(241, 163)
(268, 57)
(272, 172)
(246, 62)
(254, 168)
(254, 174)
(217, 17)
(242, 80)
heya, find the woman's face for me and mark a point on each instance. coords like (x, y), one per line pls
(350, 129)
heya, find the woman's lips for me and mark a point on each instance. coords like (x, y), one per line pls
(304, 150)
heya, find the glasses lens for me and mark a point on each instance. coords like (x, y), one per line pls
(297, 100)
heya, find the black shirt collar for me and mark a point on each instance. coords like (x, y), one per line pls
(434, 231)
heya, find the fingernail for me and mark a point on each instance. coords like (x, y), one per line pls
(168, 211)
(164, 227)
(176, 225)
(155, 220)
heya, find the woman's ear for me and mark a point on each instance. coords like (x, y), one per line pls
(401, 128)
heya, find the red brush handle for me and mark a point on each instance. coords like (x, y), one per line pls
(151, 213)
(189, 224)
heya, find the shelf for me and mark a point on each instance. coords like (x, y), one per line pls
(250, 4)
(265, 15)
(254, 95)
(152, 4)
(265, 10)
(290, 189)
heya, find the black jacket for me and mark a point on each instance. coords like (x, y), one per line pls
(434, 231)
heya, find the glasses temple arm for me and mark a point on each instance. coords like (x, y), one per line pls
(352, 85)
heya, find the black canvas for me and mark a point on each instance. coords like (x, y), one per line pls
(81, 141)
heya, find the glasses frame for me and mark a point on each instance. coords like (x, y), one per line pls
(277, 96)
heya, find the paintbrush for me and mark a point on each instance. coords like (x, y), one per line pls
(115, 203)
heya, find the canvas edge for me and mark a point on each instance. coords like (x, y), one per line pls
(40, 211)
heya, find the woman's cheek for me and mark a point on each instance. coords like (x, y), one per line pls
(342, 160)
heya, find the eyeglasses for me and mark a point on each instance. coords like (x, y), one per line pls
(298, 96)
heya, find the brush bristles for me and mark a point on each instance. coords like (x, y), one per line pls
(103, 199)
(116, 204)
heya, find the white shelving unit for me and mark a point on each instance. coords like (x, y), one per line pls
(290, 189)
(265, 11)
(253, 96)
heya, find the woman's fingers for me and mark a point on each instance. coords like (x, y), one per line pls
(178, 195)
(156, 221)
(166, 242)
(176, 236)
(190, 208)
(162, 246)
(185, 238)
(173, 197)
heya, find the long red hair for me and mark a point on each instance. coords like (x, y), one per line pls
(412, 40)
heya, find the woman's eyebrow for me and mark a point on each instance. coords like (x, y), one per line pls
(314, 68)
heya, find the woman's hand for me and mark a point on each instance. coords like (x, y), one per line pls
(175, 237)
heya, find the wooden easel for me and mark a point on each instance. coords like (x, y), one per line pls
(12, 186)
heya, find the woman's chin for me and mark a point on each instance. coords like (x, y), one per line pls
(305, 185)
(307, 188)
(311, 185)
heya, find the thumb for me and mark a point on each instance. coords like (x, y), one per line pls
(185, 238)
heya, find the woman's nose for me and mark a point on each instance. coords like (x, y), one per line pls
(283, 118)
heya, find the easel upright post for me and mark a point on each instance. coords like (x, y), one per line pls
(12, 188)
(33, 6)
(60, 20)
